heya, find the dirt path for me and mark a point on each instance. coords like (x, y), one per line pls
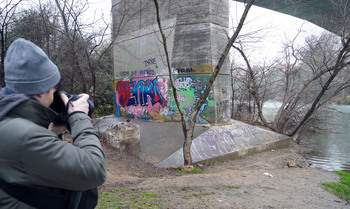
(259, 181)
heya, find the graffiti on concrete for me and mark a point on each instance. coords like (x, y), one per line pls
(222, 109)
(189, 92)
(148, 67)
(195, 69)
(133, 74)
(143, 98)
(214, 143)
(222, 140)
(145, 94)
(151, 61)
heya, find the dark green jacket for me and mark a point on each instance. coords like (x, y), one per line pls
(32, 155)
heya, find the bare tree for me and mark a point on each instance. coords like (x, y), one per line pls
(6, 19)
(307, 76)
(87, 45)
(254, 82)
(39, 25)
(69, 19)
(341, 62)
(188, 126)
(252, 86)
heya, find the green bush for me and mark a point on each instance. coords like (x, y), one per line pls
(103, 110)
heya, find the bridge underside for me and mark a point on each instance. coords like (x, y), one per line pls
(323, 13)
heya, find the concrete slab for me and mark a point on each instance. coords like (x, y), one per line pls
(221, 142)
(158, 140)
(161, 142)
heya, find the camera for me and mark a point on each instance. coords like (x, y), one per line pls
(59, 107)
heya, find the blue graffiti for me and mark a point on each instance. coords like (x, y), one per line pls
(142, 90)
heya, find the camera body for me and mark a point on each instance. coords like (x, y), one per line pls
(62, 109)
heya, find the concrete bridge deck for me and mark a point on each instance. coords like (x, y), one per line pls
(161, 142)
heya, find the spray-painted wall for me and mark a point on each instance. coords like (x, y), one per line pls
(195, 36)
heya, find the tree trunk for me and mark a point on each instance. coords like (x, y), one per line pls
(188, 128)
(187, 146)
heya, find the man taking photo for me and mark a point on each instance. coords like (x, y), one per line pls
(36, 166)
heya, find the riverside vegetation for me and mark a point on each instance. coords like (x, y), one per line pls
(342, 188)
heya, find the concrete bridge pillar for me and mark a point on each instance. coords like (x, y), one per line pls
(196, 35)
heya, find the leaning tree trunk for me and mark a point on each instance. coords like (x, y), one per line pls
(338, 67)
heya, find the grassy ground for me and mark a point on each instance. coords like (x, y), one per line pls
(139, 198)
(342, 188)
(130, 198)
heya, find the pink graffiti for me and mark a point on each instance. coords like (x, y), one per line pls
(139, 93)
(143, 98)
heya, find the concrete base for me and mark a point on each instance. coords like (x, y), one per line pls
(229, 141)
(161, 142)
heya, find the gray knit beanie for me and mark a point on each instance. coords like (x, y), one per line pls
(28, 69)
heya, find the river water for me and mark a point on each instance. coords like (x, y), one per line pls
(331, 149)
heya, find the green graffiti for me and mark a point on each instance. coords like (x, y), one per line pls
(188, 94)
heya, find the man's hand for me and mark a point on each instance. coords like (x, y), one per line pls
(79, 105)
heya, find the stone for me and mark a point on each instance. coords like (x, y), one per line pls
(291, 164)
(124, 137)
(187, 168)
(175, 167)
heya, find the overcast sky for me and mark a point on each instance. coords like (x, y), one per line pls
(274, 26)
(101, 7)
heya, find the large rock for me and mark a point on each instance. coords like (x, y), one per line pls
(123, 136)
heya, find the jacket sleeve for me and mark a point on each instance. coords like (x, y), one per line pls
(50, 162)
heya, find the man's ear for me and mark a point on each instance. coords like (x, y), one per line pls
(38, 96)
